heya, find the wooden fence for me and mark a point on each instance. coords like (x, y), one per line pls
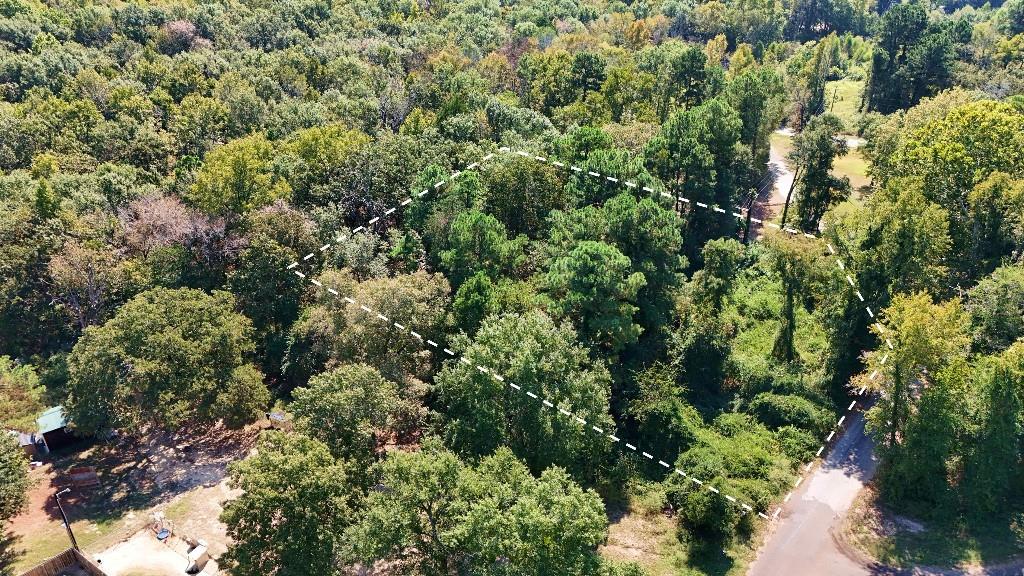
(55, 566)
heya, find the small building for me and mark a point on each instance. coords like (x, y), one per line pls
(53, 427)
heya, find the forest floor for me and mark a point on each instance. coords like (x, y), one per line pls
(640, 531)
(992, 545)
(180, 476)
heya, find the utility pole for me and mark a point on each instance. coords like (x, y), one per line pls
(789, 195)
(67, 525)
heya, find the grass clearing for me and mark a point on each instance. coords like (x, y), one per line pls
(854, 166)
(641, 532)
(846, 103)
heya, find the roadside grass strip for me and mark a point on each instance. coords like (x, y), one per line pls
(560, 409)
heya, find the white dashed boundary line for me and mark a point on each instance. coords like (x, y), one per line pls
(738, 212)
(551, 403)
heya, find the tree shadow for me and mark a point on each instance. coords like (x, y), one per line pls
(709, 556)
(8, 552)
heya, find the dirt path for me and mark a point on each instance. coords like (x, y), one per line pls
(771, 196)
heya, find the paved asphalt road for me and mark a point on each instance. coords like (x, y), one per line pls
(801, 543)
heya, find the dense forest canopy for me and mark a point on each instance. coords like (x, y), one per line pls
(193, 193)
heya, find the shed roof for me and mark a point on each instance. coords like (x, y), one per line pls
(52, 419)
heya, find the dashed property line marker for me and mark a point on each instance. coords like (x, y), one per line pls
(402, 204)
(547, 403)
(664, 194)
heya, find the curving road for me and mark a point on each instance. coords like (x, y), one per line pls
(801, 543)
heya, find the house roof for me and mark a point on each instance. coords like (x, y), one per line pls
(52, 419)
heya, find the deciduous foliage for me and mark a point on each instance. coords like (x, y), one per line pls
(817, 190)
(14, 480)
(21, 395)
(237, 177)
(296, 500)
(530, 350)
(167, 358)
(347, 408)
(492, 518)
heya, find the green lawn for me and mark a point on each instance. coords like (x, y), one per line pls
(853, 166)
(847, 94)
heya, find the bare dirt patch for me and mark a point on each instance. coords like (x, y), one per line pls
(137, 477)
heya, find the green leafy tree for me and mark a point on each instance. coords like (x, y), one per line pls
(955, 156)
(592, 284)
(521, 192)
(646, 233)
(695, 155)
(14, 480)
(912, 59)
(296, 500)
(993, 462)
(531, 351)
(238, 177)
(793, 260)
(814, 151)
(996, 306)
(332, 330)
(757, 94)
(493, 518)
(167, 358)
(347, 408)
(21, 395)
(477, 242)
(925, 336)
(900, 244)
(267, 293)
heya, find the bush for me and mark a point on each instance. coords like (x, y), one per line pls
(777, 410)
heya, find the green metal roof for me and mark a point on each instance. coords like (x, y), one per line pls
(52, 419)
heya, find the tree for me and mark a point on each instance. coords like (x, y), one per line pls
(521, 192)
(347, 408)
(996, 306)
(490, 519)
(167, 358)
(994, 459)
(912, 59)
(342, 332)
(267, 293)
(663, 416)
(793, 260)
(238, 177)
(296, 500)
(89, 282)
(695, 155)
(21, 396)
(482, 413)
(713, 282)
(925, 336)
(477, 242)
(901, 242)
(592, 284)
(757, 94)
(646, 233)
(814, 151)
(323, 154)
(956, 157)
(14, 480)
